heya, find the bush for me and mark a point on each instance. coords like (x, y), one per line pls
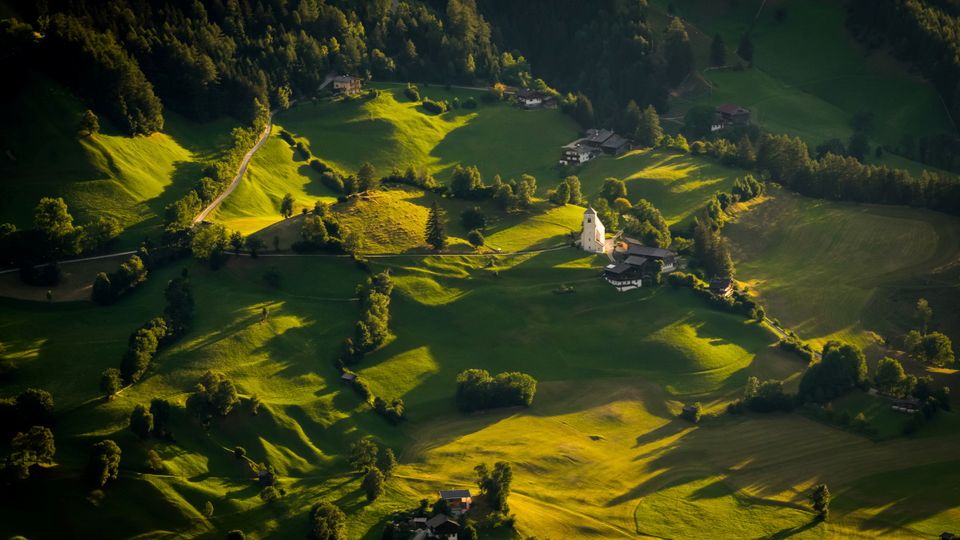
(475, 238)
(392, 411)
(470, 103)
(412, 92)
(333, 181)
(435, 107)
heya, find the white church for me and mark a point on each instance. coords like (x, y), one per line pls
(629, 258)
(593, 238)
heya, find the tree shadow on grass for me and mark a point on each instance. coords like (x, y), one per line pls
(791, 531)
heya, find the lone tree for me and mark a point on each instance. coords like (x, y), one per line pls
(820, 501)
(286, 206)
(367, 177)
(29, 449)
(363, 455)
(373, 484)
(436, 227)
(924, 313)
(745, 49)
(141, 421)
(327, 522)
(110, 382)
(718, 51)
(104, 464)
(387, 462)
(89, 123)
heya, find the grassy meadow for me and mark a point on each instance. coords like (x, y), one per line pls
(601, 453)
(847, 271)
(130, 179)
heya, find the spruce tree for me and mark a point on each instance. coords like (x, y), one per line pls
(436, 227)
(718, 51)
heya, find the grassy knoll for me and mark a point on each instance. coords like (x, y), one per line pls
(394, 221)
(128, 178)
(813, 90)
(678, 184)
(842, 270)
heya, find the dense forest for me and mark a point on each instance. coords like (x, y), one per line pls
(604, 49)
(207, 58)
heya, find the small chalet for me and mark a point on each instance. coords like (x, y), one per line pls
(347, 85)
(348, 377)
(441, 526)
(635, 262)
(459, 500)
(721, 286)
(729, 114)
(533, 99)
(577, 152)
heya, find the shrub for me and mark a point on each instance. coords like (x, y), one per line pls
(412, 92)
(475, 238)
(435, 107)
(470, 103)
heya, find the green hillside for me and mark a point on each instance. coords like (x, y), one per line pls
(390, 132)
(837, 270)
(129, 178)
(810, 90)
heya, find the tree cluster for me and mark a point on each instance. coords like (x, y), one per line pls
(25, 422)
(374, 463)
(842, 368)
(320, 231)
(53, 235)
(495, 484)
(108, 287)
(478, 390)
(159, 331)
(372, 330)
(765, 396)
(214, 396)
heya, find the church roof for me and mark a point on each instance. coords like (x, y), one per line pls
(590, 211)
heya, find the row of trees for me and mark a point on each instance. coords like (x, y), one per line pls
(159, 331)
(478, 390)
(107, 288)
(372, 330)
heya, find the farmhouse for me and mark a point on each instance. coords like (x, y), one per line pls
(623, 276)
(729, 114)
(459, 500)
(634, 262)
(593, 237)
(533, 99)
(595, 143)
(441, 526)
(721, 286)
(628, 247)
(346, 85)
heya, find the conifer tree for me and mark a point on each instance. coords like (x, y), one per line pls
(436, 234)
